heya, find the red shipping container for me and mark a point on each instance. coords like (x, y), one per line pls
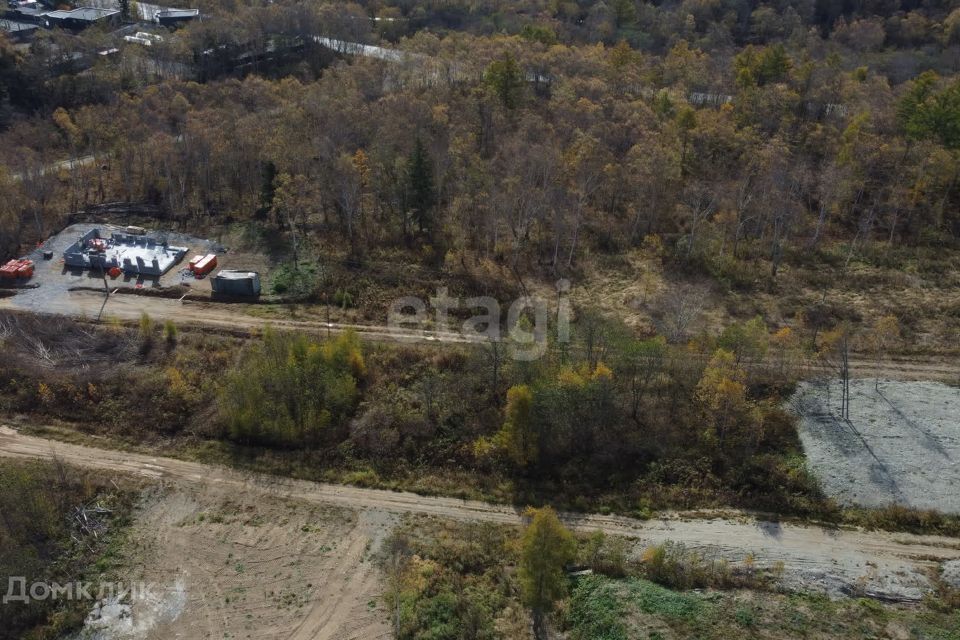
(17, 269)
(25, 270)
(204, 266)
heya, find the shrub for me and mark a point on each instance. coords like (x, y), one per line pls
(290, 391)
(170, 333)
(146, 333)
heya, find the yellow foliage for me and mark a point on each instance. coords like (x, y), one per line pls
(570, 378)
(346, 348)
(517, 434)
(65, 123)
(602, 372)
(483, 448)
(784, 338)
(653, 245)
(45, 393)
(177, 383)
(722, 393)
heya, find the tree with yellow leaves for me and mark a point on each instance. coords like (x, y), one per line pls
(518, 435)
(785, 344)
(545, 549)
(722, 395)
(834, 351)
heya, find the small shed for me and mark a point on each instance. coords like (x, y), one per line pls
(236, 283)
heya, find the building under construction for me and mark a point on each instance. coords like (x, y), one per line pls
(136, 255)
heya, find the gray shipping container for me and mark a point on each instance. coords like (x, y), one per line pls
(236, 283)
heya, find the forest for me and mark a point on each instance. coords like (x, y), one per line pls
(530, 136)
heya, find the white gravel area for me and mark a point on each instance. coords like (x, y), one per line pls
(901, 444)
(950, 573)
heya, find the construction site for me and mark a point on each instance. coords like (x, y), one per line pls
(83, 259)
(133, 253)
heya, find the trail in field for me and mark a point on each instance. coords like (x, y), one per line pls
(886, 565)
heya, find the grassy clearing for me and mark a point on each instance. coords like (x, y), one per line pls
(41, 541)
(455, 580)
(602, 608)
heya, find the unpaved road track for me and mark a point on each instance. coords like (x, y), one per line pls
(238, 317)
(886, 565)
(124, 306)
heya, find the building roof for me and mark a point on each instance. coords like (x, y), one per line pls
(88, 14)
(177, 13)
(16, 27)
(229, 274)
(26, 13)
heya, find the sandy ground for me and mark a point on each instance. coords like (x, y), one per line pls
(227, 564)
(883, 565)
(901, 444)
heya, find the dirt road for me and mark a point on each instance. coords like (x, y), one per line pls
(248, 318)
(125, 306)
(885, 565)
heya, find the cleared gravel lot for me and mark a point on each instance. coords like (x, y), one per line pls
(901, 444)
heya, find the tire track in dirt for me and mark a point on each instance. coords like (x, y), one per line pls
(337, 602)
(891, 566)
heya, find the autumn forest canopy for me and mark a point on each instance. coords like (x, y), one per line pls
(529, 134)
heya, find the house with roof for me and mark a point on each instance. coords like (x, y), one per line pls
(83, 17)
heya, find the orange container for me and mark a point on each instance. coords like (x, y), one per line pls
(205, 265)
(17, 269)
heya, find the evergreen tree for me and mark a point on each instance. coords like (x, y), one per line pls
(268, 187)
(506, 80)
(420, 190)
(925, 113)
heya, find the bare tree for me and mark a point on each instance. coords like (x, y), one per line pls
(681, 308)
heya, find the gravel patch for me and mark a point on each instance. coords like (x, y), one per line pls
(950, 573)
(901, 444)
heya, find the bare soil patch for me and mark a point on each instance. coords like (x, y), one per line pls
(234, 564)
